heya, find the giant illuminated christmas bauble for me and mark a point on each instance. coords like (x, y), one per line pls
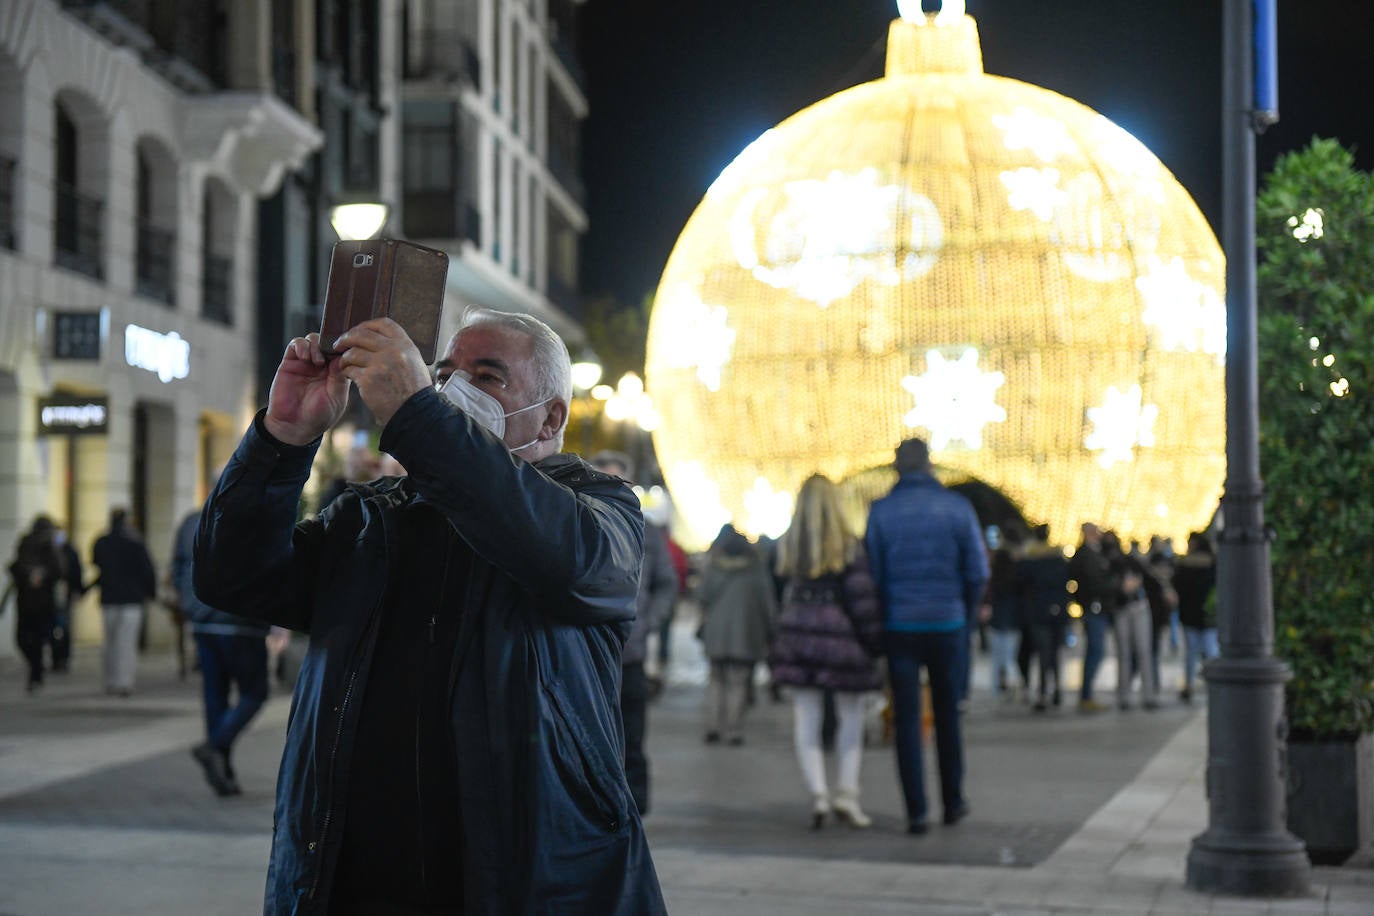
(963, 257)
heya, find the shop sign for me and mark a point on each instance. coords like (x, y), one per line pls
(76, 335)
(72, 415)
(167, 356)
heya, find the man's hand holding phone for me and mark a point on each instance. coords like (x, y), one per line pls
(309, 393)
(380, 358)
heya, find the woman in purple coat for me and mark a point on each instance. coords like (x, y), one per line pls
(828, 637)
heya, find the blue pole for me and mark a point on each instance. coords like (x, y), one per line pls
(1265, 109)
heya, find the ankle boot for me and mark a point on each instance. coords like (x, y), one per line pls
(820, 810)
(846, 806)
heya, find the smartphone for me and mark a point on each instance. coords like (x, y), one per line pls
(386, 278)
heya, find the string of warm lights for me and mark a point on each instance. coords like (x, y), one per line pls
(959, 256)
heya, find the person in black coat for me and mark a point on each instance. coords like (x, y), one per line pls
(455, 738)
(1090, 570)
(126, 581)
(1042, 576)
(1195, 580)
(37, 570)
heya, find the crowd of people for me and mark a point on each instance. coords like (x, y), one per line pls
(477, 625)
(837, 618)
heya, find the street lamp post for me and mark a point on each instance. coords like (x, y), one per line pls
(1246, 848)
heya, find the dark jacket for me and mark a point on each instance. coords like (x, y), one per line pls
(203, 618)
(36, 570)
(1091, 569)
(1042, 576)
(927, 556)
(829, 632)
(548, 824)
(1195, 577)
(1007, 611)
(658, 586)
(126, 569)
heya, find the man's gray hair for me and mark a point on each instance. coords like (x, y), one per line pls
(552, 364)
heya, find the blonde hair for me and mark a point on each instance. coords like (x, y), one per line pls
(819, 540)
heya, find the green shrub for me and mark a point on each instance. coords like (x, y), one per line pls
(1315, 234)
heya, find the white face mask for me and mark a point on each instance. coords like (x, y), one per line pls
(484, 409)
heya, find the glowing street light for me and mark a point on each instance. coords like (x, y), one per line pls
(358, 221)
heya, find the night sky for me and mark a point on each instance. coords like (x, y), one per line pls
(677, 89)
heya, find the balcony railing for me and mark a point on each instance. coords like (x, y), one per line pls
(8, 236)
(156, 262)
(216, 287)
(77, 228)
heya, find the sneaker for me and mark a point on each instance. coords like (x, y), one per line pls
(1090, 706)
(712, 738)
(216, 768)
(956, 814)
(918, 827)
(846, 807)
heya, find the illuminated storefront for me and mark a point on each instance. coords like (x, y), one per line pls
(959, 256)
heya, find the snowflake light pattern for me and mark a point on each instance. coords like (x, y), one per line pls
(1187, 314)
(704, 340)
(822, 238)
(1046, 137)
(766, 510)
(1036, 190)
(954, 400)
(692, 486)
(1119, 425)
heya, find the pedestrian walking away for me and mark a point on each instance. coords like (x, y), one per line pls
(658, 587)
(455, 739)
(126, 580)
(1042, 576)
(829, 635)
(232, 652)
(737, 609)
(72, 587)
(926, 551)
(36, 572)
(1090, 569)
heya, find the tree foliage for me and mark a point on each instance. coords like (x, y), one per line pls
(1315, 234)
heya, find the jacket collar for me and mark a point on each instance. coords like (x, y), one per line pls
(918, 479)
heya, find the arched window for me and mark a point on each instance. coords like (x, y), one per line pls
(78, 214)
(155, 222)
(220, 215)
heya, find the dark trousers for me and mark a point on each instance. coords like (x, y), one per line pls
(31, 633)
(939, 654)
(1095, 627)
(634, 702)
(60, 640)
(1047, 638)
(231, 661)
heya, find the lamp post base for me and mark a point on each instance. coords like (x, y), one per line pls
(1249, 866)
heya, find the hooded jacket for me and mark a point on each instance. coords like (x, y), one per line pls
(548, 824)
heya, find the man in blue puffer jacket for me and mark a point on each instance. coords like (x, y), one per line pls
(928, 560)
(455, 737)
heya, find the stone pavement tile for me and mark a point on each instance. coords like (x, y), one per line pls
(1335, 908)
(1301, 907)
(1234, 906)
(67, 871)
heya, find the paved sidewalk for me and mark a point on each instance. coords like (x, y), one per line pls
(102, 810)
